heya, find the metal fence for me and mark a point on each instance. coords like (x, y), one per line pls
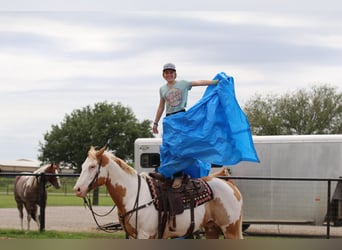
(328, 190)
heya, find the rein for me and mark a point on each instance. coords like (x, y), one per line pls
(87, 203)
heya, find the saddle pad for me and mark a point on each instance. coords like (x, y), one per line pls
(197, 189)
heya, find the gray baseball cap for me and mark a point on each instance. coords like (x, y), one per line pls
(169, 66)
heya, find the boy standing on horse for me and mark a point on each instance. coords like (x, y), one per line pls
(173, 97)
(174, 94)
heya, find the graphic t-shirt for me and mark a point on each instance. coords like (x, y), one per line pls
(175, 96)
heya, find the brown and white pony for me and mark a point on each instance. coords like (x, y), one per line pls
(27, 192)
(139, 217)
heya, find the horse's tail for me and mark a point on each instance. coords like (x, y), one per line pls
(34, 215)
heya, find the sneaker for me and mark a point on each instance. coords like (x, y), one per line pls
(177, 182)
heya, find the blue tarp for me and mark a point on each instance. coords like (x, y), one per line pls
(213, 131)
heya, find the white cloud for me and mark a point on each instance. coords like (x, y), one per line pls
(55, 62)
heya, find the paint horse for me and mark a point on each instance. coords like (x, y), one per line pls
(27, 192)
(137, 214)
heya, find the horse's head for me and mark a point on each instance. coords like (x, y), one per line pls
(92, 174)
(54, 179)
(52, 169)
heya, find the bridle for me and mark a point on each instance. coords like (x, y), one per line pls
(98, 169)
(88, 204)
(96, 176)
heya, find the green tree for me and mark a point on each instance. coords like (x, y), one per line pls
(314, 111)
(70, 141)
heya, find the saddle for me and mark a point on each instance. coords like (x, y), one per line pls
(170, 201)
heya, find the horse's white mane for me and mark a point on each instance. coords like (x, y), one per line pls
(41, 169)
(123, 165)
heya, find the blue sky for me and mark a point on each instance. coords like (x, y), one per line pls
(56, 58)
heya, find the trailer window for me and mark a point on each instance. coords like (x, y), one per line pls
(150, 160)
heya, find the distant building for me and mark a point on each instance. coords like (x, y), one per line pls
(21, 165)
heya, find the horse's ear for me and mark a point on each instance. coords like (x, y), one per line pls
(91, 150)
(100, 152)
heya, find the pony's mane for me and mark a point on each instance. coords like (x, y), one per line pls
(41, 169)
(123, 165)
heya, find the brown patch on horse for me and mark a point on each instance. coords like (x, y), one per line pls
(219, 210)
(104, 160)
(100, 181)
(233, 230)
(101, 158)
(215, 212)
(118, 193)
(100, 152)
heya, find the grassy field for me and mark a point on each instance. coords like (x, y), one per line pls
(56, 197)
(20, 234)
(7, 200)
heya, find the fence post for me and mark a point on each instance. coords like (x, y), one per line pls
(328, 209)
(42, 202)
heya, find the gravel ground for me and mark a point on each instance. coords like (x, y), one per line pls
(60, 218)
(80, 219)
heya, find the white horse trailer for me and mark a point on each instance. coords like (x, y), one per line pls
(277, 201)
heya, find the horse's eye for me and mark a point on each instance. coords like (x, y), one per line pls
(92, 166)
